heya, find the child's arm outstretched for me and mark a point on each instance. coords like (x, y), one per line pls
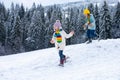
(68, 35)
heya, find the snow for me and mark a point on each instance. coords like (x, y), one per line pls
(97, 61)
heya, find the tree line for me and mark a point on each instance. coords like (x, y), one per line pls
(23, 30)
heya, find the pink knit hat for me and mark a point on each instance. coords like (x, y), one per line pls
(57, 24)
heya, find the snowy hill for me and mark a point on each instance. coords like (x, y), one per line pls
(96, 61)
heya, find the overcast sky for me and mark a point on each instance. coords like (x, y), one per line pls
(28, 3)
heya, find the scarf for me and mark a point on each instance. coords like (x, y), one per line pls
(58, 36)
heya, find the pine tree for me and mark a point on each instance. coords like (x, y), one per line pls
(105, 24)
(23, 22)
(116, 23)
(2, 28)
(21, 11)
(97, 18)
(48, 30)
(13, 30)
(32, 9)
(2, 21)
(9, 26)
(16, 35)
(25, 25)
(27, 20)
(73, 24)
(49, 13)
(36, 31)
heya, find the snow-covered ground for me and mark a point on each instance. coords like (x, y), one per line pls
(96, 61)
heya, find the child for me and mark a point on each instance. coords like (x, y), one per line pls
(59, 39)
(90, 25)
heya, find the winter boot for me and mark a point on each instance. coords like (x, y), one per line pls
(89, 41)
(61, 63)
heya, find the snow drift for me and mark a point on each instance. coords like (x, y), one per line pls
(96, 61)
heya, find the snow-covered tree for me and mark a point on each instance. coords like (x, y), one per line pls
(36, 32)
(74, 13)
(32, 9)
(21, 11)
(13, 30)
(16, 35)
(97, 19)
(116, 23)
(2, 28)
(8, 26)
(25, 24)
(2, 21)
(105, 22)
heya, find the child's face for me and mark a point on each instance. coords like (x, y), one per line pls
(85, 15)
(56, 28)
